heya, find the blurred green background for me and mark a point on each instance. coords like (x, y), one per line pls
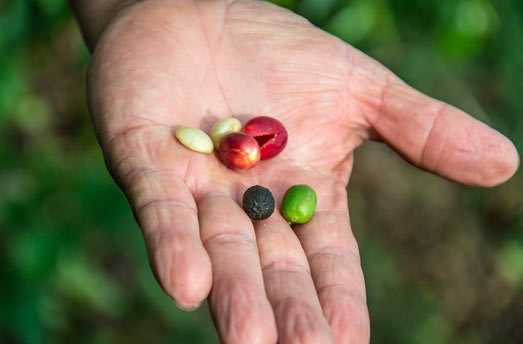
(443, 262)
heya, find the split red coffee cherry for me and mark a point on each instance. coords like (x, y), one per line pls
(269, 133)
(239, 151)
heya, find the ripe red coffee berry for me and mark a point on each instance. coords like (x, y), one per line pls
(239, 151)
(270, 134)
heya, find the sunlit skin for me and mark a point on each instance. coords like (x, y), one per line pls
(160, 65)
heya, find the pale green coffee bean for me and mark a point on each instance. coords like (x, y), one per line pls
(194, 139)
(223, 127)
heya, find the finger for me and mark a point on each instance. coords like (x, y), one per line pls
(166, 212)
(238, 301)
(436, 136)
(333, 257)
(289, 285)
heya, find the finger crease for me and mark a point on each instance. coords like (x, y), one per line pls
(136, 174)
(343, 289)
(166, 202)
(230, 238)
(383, 94)
(334, 252)
(214, 195)
(429, 135)
(287, 265)
(129, 130)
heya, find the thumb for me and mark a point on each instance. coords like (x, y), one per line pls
(440, 138)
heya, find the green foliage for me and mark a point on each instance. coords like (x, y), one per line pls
(443, 263)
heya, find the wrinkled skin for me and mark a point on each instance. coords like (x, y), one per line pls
(163, 64)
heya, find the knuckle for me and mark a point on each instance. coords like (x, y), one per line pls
(302, 323)
(243, 316)
(347, 315)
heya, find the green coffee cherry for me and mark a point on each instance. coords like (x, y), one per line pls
(298, 204)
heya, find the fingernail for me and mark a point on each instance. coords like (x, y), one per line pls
(187, 307)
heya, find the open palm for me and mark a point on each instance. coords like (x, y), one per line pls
(165, 64)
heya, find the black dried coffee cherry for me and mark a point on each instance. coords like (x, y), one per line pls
(258, 202)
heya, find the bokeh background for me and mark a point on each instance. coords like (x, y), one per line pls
(443, 262)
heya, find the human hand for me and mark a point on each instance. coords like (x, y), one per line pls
(163, 64)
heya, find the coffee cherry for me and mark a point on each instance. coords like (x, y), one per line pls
(258, 202)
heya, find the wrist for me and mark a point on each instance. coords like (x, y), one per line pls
(94, 15)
